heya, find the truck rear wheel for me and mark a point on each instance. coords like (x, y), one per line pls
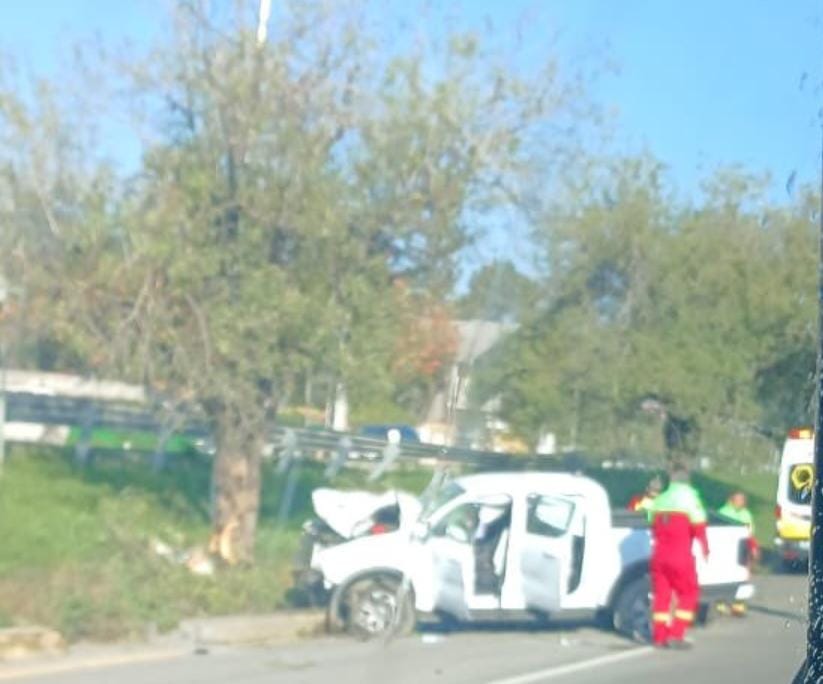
(378, 606)
(632, 610)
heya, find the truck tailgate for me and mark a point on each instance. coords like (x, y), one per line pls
(726, 563)
(727, 558)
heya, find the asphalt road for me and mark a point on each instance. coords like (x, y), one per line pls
(764, 647)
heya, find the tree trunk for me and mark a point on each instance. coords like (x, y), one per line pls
(236, 486)
(575, 427)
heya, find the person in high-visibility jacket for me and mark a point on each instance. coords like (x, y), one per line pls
(677, 518)
(735, 509)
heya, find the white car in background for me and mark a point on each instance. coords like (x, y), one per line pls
(496, 546)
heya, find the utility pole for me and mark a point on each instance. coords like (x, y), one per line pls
(263, 22)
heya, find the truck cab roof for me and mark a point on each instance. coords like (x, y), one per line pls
(531, 482)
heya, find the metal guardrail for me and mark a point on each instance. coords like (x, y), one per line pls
(289, 444)
(328, 440)
(53, 410)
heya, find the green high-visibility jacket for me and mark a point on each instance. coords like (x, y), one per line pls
(680, 497)
(740, 515)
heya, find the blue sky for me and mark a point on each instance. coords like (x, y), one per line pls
(705, 82)
(699, 84)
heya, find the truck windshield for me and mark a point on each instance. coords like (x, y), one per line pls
(440, 498)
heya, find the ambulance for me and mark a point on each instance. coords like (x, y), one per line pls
(793, 512)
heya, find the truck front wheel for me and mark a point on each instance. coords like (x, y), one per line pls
(632, 610)
(378, 606)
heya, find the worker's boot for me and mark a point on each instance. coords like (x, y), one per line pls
(660, 630)
(683, 619)
(739, 609)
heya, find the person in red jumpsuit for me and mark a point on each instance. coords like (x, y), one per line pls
(677, 518)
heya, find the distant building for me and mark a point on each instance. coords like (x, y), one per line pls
(67, 385)
(59, 385)
(450, 418)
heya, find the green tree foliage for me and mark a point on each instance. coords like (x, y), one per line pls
(703, 311)
(285, 190)
(497, 292)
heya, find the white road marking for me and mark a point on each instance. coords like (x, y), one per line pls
(90, 663)
(561, 670)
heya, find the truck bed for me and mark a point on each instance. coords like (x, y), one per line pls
(639, 520)
(727, 540)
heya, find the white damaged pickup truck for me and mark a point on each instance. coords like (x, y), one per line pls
(495, 546)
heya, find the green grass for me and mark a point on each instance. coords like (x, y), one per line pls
(76, 541)
(138, 441)
(76, 547)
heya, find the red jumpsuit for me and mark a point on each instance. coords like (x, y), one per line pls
(678, 518)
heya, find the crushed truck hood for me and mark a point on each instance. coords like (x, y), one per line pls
(344, 511)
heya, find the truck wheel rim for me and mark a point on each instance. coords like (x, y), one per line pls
(375, 610)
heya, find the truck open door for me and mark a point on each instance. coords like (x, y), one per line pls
(541, 556)
(449, 560)
(464, 551)
(449, 557)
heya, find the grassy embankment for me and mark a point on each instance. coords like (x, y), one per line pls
(75, 542)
